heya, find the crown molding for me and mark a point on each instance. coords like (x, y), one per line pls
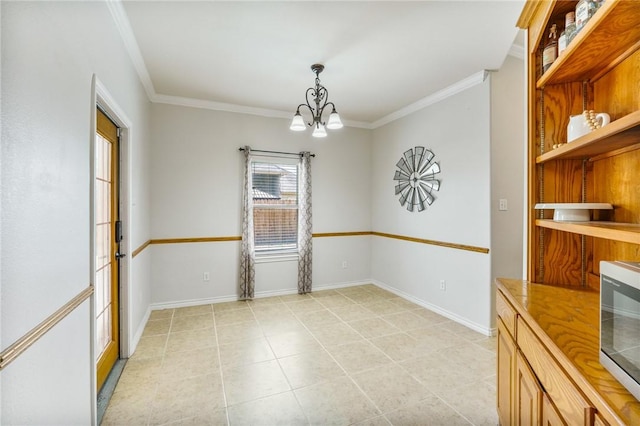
(121, 20)
(220, 106)
(516, 51)
(240, 109)
(438, 96)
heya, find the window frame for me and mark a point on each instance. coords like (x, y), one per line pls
(276, 254)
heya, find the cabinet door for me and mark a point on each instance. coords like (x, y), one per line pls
(571, 404)
(506, 372)
(550, 415)
(528, 394)
(599, 421)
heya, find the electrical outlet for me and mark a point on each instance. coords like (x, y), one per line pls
(205, 276)
(443, 285)
(344, 264)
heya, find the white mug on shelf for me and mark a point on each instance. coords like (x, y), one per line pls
(580, 125)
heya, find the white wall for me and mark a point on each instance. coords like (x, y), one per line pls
(197, 189)
(507, 168)
(457, 130)
(50, 51)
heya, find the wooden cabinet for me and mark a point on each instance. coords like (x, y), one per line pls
(529, 380)
(548, 369)
(599, 70)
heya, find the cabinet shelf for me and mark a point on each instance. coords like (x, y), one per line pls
(621, 133)
(623, 232)
(611, 35)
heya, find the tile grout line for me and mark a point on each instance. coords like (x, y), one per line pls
(339, 364)
(164, 354)
(430, 391)
(220, 371)
(292, 390)
(393, 361)
(329, 354)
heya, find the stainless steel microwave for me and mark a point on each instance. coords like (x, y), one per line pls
(620, 322)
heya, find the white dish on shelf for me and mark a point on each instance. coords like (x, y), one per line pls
(573, 212)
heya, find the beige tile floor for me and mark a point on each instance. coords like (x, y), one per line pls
(358, 355)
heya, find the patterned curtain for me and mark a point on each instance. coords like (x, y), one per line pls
(304, 224)
(247, 255)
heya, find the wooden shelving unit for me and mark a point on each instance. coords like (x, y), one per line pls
(599, 70)
(548, 368)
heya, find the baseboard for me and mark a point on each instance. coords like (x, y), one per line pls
(438, 310)
(192, 302)
(344, 284)
(258, 295)
(133, 343)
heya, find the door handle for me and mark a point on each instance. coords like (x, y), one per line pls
(120, 255)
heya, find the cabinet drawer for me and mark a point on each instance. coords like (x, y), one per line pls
(571, 405)
(506, 312)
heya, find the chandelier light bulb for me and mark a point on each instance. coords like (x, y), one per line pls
(319, 131)
(297, 124)
(334, 122)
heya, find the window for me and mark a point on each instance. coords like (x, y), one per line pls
(275, 205)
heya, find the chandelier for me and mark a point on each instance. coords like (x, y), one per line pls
(319, 95)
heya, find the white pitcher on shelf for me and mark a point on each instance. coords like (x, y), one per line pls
(580, 125)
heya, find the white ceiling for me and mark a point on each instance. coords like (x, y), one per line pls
(255, 56)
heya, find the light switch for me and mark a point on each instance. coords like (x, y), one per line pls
(503, 204)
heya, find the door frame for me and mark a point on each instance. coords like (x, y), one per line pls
(100, 97)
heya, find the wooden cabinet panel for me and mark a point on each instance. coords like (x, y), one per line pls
(506, 313)
(560, 102)
(572, 406)
(563, 262)
(550, 415)
(537, 13)
(528, 394)
(506, 358)
(616, 99)
(599, 421)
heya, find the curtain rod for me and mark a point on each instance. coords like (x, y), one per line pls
(276, 152)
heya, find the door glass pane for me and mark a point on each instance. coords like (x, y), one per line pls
(99, 291)
(107, 159)
(103, 327)
(107, 285)
(99, 157)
